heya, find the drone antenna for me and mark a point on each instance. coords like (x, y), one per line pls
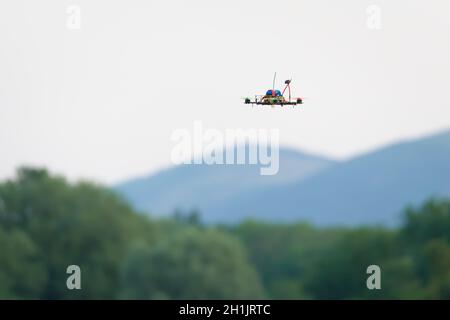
(274, 77)
(288, 86)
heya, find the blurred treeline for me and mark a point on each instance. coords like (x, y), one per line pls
(47, 224)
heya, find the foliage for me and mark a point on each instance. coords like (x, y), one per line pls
(47, 224)
(193, 264)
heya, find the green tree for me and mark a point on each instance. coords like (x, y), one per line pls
(430, 221)
(193, 264)
(82, 224)
(434, 263)
(340, 273)
(283, 253)
(22, 274)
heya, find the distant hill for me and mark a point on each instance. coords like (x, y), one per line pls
(372, 188)
(203, 187)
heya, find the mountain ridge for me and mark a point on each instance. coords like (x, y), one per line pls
(195, 186)
(383, 181)
(370, 188)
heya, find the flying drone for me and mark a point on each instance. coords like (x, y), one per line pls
(275, 97)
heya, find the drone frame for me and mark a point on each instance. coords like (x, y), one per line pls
(275, 100)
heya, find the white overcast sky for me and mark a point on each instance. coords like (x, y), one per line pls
(101, 102)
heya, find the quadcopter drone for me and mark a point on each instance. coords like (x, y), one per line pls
(275, 97)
